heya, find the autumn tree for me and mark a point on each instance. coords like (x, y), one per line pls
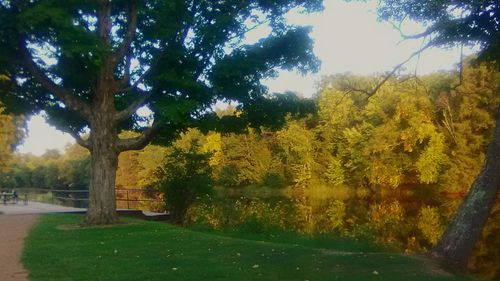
(467, 114)
(93, 64)
(473, 22)
(11, 129)
(388, 140)
(183, 178)
(11, 133)
(245, 159)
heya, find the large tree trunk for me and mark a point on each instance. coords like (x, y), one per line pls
(104, 162)
(456, 245)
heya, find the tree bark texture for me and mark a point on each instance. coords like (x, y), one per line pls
(103, 136)
(455, 246)
(104, 162)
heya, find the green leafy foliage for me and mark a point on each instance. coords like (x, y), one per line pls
(184, 178)
(52, 170)
(195, 50)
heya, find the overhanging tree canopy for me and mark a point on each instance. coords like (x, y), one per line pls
(470, 22)
(93, 63)
(448, 23)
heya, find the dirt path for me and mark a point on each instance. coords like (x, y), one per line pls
(13, 231)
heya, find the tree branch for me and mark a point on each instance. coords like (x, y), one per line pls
(203, 64)
(246, 30)
(138, 81)
(72, 102)
(104, 20)
(422, 34)
(397, 67)
(390, 74)
(83, 142)
(183, 36)
(125, 80)
(125, 46)
(122, 115)
(208, 55)
(139, 142)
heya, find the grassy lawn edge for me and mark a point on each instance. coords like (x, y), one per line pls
(159, 251)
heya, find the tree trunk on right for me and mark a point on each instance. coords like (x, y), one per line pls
(456, 245)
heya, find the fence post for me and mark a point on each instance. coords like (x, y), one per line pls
(128, 202)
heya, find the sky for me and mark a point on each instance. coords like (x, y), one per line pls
(348, 38)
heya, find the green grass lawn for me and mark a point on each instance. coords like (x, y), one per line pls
(158, 251)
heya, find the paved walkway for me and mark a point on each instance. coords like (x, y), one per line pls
(15, 222)
(34, 208)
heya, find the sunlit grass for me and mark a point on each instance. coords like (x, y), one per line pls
(159, 251)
